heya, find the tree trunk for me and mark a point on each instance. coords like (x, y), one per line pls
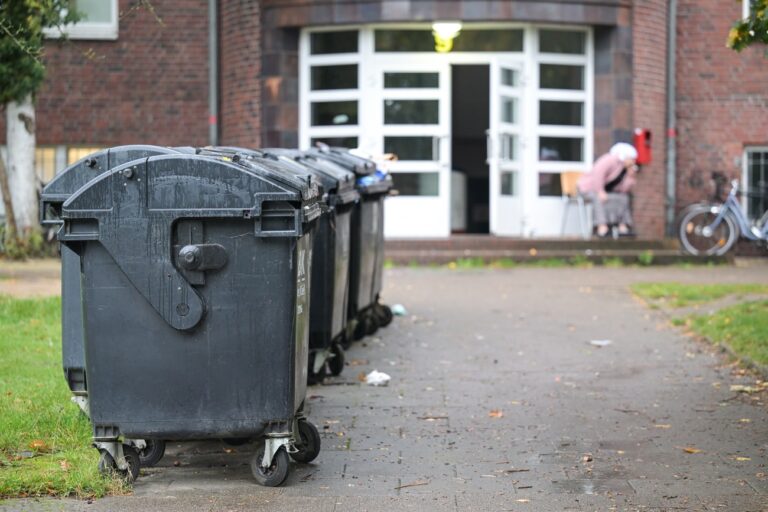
(22, 180)
(5, 191)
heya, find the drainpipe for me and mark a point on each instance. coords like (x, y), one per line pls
(671, 171)
(213, 74)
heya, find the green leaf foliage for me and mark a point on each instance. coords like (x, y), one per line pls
(753, 29)
(22, 23)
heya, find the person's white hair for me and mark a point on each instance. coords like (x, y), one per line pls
(623, 151)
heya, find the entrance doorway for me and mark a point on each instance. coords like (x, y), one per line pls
(470, 194)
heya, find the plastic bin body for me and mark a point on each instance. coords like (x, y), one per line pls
(58, 190)
(191, 352)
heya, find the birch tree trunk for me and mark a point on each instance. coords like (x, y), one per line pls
(23, 182)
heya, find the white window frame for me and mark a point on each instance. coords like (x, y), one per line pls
(89, 29)
(745, 177)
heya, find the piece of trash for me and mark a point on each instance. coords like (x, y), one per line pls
(377, 378)
(432, 418)
(513, 470)
(662, 425)
(690, 449)
(587, 457)
(742, 459)
(600, 343)
(399, 310)
(412, 484)
(745, 420)
(523, 500)
(496, 413)
(525, 487)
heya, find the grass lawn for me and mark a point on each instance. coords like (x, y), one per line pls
(743, 327)
(679, 295)
(45, 442)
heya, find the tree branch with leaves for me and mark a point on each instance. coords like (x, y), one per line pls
(752, 29)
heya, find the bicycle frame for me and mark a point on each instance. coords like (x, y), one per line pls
(732, 205)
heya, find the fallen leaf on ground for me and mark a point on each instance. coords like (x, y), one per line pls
(38, 445)
(742, 459)
(587, 457)
(662, 425)
(64, 465)
(496, 413)
(745, 420)
(358, 362)
(690, 449)
(523, 500)
(361, 376)
(740, 388)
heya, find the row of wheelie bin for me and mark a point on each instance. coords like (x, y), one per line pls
(204, 288)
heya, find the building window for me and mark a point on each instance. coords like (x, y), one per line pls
(757, 181)
(76, 153)
(99, 20)
(417, 183)
(45, 163)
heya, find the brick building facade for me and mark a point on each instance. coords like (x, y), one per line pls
(151, 84)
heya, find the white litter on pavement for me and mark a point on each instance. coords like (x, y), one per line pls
(377, 378)
(600, 343)
(399, 310)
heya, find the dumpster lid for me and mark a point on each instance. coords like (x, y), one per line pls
(359, 165)
(69, 180)
(290, 175)
(338, 182)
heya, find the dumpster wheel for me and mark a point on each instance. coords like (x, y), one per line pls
(152, 453)
(108, 466)
(383, 314)
(273, 475)
(336, 362)
(309, 448)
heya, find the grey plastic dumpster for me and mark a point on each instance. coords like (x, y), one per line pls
(365, 312)
(196, 294)
(58, 190)
(330, 265)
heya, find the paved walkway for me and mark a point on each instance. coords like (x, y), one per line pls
(499, 402)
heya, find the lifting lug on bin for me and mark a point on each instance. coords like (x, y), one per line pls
(202, 257)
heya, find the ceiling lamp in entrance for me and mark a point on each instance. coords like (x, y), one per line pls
(444, 33)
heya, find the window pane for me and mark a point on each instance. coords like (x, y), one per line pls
(410, 148)
(565, 113)
(510, 77)
(562, 41)
(508, 147)
(404, 41)
(411, 80)
(45, 163)
(497, 40)
(95, 11)
(333, 42)
(561, 76)
(549, 184)
(339, 142)
(508, 110)
(417, 183)
(334, 113)
(565, 149)
(333, 77)
(508, 183)
(757, 183)
(76, 153)
(410, 111)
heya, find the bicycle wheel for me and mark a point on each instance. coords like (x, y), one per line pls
(700, 237)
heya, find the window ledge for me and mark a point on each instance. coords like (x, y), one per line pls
(96, 31)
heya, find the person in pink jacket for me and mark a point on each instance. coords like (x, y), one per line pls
(607, 187)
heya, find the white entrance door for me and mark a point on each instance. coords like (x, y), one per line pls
(505, 148)
(410, 117)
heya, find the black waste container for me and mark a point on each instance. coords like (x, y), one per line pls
(54, 194)
(365, 312)
(330, 261)
(196, 294)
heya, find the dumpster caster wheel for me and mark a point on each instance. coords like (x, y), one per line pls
(309, 448)
(336, 363)
(360, 329)
(346, 342)
(276, 473)
(383, 314)
(236, 441)
(152, 454)
(371, 324)
(108, 466)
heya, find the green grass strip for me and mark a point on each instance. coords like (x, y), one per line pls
(743, 327)
(680, 295)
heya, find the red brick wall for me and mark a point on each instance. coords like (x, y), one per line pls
(649, 23)
(148, 86)
(722, 102)
(240, 72)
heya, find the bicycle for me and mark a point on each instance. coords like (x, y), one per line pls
(711, 229)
